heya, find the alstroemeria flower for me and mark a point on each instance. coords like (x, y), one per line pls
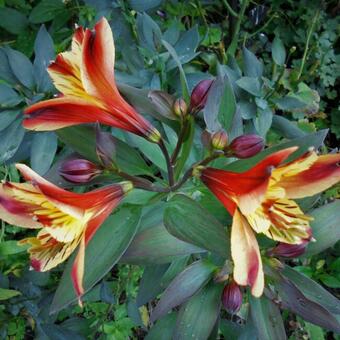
(85, 77)
(261, 200)
(66, 220)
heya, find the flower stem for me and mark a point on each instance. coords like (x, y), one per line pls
(180, 140)
(168, 162)
(309, 35)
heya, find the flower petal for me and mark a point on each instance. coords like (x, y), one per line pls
(246, 255)
(324, 173)
(46, 252)
(16, 212)
(65, 70)
(77, 273)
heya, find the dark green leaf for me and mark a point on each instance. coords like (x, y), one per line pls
(7, 117)
(44, 53)
(185, 284)
(155, 245)
(163, 329)
(46, 10)
(184, 82)
(312, 290)
(252, 66)
(11, 139)
(6, 294)
(212, 107)
(267, 319)
(12, 20)
(8, 97)
(227, 107)
(230, 330)
(286, 128)
(278, 51)
(198, 316)
(43, 149)
(190, 222)
(11, 247)
(250, 84)
(21, 67)
(150, 284)
(294, 300)
(102, 253)
(289, 103)
(5, 68)
(144, 5)
(325, 227)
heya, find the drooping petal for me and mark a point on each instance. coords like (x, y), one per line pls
(46, 252)
(246, 255)
(324, 173)
(77, 273)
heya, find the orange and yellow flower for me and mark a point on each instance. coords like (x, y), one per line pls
(85, 78)
(261, 200)
(66, 220)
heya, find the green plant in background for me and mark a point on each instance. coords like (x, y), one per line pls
(268, 80)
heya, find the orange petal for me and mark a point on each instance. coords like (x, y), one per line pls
(323, 174)
(246, 255)
(77, 273)
(97, 67)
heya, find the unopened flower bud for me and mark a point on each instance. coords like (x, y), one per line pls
(246, 146)
(292, 49)
(105, 148)
(219, 140)
(180, 108)
(199, 95)
(232, 297)
(288, 250)
(79, 170)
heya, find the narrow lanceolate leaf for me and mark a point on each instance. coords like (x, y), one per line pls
(312, 290)
(267, 319)
(102, 252)
(278, 51)
(293, 299)
(190, 222)
(155, 246)
(325, 228)
(186, 284)
(43, 149)
(6, 294)
(197, 318)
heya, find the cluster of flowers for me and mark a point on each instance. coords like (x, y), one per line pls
(260, 199)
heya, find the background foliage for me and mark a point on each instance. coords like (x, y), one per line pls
(168, 45)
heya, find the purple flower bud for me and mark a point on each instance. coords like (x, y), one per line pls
(246, 146)
(232, 297)
(79, 170)
(199, 95)
(288, 250)
(219, 140)
(105, 148)
(180, 108)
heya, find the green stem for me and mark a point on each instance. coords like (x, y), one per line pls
(230, 10)
(180, 140)
(309, 35)
(233, 45)
(168, 162)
